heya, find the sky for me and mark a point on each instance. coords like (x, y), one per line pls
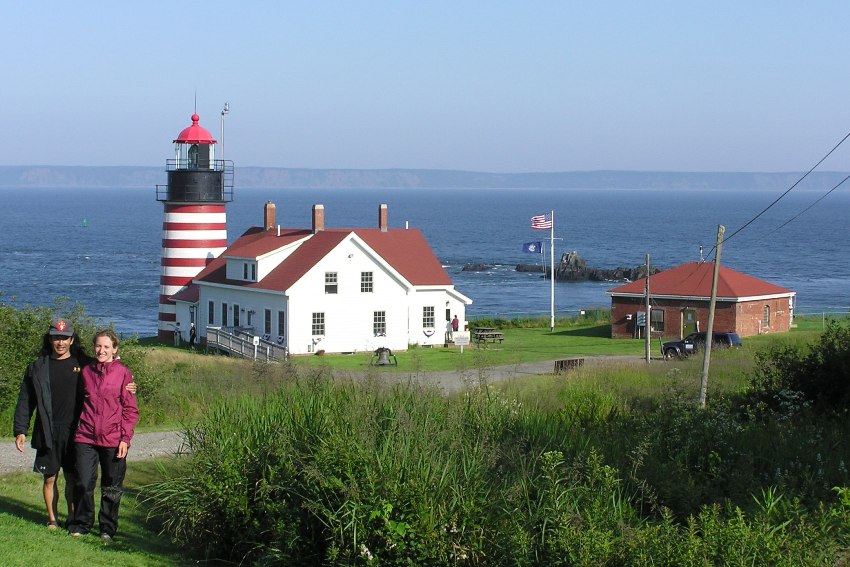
(496, 86)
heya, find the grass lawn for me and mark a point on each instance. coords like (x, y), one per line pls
(521, 345)
(26, 541)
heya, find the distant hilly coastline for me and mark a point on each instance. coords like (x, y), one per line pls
(283, 178)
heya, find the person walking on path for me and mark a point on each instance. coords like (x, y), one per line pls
(49, 389)
(105, 430)
(193, 335)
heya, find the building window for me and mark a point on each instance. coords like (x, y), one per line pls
(245, 271)
(766, 316)
(318, 329)
(253, 272)
(281, 323)
(330, 282)
(656, 320)
(267, 322)
(211, 313)
(428, 317)
(223, 314)
(366, 282)
(379, 323)
(236, 321)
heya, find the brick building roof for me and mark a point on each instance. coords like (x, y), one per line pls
(693, 280)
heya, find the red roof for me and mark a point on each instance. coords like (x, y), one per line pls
(405, 250)
(195, 134)
(694, 280)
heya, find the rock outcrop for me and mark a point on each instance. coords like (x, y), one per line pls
(573, 268)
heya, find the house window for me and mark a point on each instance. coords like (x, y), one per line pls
(428, 317)
(318, 329)
(379, 323)
(330, 282)
(245, 271)
(281, 323)
(253, 272)
(766, 316)
(211, 313)
(366, 282)
(267, 322)
(656, 320)
(236, 315)
(223, 314)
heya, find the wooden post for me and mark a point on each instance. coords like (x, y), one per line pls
(710, 330)
(648, 327)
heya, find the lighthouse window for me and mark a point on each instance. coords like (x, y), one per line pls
(211, 313)
(330, 282)
(193, 156)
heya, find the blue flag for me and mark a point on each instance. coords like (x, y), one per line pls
(533, 247)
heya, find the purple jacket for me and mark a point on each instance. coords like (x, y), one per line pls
(109, 412)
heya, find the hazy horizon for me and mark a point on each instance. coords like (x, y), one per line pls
(475, 86)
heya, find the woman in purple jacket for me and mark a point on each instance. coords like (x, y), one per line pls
(103, 438)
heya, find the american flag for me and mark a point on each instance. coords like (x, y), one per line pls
(541, 222)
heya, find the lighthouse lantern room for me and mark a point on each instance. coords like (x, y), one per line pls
(194, 227)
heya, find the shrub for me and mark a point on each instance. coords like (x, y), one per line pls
(789, 378)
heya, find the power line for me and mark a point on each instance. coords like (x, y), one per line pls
(822, 197)
(752, 220)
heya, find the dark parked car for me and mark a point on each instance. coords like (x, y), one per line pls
(694, 342)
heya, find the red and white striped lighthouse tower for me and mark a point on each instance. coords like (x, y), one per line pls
(194, 225)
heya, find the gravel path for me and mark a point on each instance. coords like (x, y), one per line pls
(144, 446)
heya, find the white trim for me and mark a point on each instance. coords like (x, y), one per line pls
(701, 298)
(195, 234)
(194, 218)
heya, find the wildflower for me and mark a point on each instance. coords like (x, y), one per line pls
(365, 553)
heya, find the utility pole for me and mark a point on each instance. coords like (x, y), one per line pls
(709, 332)
(648, 327)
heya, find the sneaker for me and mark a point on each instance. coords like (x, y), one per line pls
(106, 538)
(52, 526)
(76, 534)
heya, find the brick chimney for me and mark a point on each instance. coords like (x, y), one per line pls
(382, 217)
(318, 218)
(268, 215)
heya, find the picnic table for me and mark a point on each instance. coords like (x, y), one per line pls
(483, 335)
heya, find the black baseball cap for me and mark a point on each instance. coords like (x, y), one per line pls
(62, 328)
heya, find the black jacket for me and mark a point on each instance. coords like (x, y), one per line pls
(35, 396)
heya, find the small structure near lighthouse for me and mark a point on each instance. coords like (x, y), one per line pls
(194, 226)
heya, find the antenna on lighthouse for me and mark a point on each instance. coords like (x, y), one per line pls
(224, 111)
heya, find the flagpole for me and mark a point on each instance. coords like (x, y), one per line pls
(552, 273)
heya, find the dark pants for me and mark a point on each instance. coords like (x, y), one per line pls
(89, 457)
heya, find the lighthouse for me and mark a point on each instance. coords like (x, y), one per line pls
(194, 224)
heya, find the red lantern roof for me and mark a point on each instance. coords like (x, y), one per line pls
(195, 134)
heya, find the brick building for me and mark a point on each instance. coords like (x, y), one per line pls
(679, 300)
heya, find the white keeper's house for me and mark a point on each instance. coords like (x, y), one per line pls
(324, 289)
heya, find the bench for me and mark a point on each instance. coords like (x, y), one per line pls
(568, 364)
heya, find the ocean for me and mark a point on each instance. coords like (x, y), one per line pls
(101, 247)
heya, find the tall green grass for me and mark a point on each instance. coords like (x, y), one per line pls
(568, 472)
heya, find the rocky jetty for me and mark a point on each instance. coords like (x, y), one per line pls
(573, 268)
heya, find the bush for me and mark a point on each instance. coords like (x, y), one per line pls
(789, 378)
